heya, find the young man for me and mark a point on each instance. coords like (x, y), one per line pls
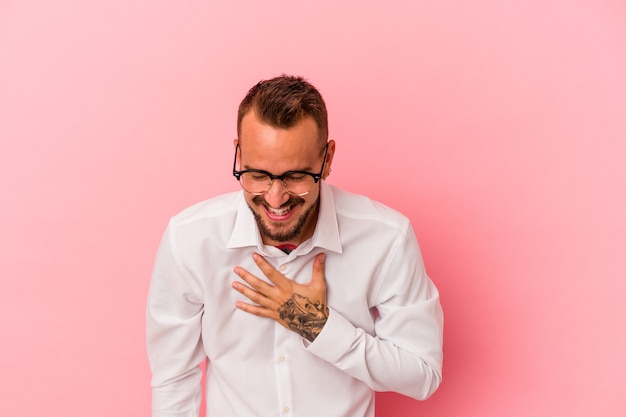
(305, 299)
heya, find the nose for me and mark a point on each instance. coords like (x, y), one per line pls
(276, 196)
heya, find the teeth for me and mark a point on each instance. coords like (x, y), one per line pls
(279, 212)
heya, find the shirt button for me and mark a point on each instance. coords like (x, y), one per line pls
(285, 409)
(282, 358)
(283, 268)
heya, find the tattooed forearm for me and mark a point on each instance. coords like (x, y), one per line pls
(303, 316)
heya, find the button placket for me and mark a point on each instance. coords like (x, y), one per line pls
(283, 372)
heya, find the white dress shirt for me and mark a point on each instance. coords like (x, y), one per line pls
(384, 330)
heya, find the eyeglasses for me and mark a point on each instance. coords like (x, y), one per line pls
(258, 182)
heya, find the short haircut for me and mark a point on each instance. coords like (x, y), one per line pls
(283, 102)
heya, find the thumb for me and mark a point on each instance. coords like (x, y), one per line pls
(319, 265)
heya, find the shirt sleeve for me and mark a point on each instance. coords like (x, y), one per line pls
(405, 354)
(173, 336)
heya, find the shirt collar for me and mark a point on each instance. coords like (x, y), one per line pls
(245, 232)
(326, 235)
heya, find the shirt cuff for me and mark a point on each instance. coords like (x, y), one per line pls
(335, 338)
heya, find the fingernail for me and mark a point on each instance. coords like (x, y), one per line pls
(322, 258)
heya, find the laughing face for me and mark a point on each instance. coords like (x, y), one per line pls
(280, 216)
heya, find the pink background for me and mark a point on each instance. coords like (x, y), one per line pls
(498, 127)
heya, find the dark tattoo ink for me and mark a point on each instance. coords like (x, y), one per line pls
(303, 316)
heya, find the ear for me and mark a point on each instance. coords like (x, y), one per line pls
(235, 144)
(329, 159)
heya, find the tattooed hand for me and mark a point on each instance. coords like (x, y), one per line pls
(301, 308)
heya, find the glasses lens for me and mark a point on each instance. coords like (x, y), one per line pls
(259, 183)
(255, 182)
(298, 184)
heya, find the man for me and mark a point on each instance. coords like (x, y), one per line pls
(303, 298)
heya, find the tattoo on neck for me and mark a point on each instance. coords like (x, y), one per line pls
(303, 316)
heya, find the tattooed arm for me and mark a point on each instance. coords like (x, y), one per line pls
(405, 353)
(301, 308)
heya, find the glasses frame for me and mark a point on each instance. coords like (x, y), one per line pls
(316, 177)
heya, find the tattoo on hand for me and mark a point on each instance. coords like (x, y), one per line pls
(303, 316)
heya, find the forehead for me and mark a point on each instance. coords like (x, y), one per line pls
(277, 149)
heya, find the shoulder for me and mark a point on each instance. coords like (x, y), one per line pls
(216, 208)
(360, 208)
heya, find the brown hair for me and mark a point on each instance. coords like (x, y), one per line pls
(283, 102)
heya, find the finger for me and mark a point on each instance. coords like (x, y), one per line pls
(255, 282)
(270, 272)
(257, 310)
(255, 296)
(319, 270)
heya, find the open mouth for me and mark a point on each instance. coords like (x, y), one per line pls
(280, 214)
